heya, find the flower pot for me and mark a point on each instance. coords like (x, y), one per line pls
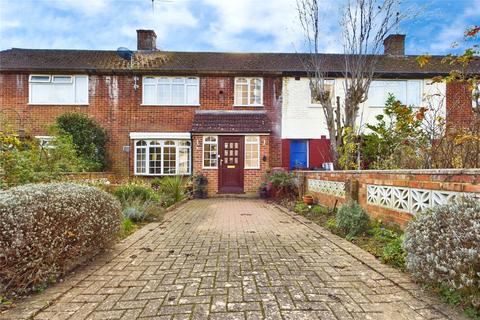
(308, 200)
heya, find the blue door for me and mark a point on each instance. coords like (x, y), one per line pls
(298, 154)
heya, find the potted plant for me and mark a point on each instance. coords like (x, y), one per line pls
(308, 199)
(263, 190)
(200, 186)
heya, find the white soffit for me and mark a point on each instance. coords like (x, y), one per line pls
(160, 135)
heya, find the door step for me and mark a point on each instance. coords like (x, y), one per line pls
(247, 195)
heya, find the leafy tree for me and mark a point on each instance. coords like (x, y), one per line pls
(88, 137)
(396, 138)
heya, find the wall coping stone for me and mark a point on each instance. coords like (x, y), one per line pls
(399, 171)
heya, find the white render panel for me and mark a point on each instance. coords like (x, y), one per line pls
(303, 120)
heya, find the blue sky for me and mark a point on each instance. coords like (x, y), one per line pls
(212, 25)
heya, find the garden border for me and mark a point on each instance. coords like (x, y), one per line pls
(398, 278)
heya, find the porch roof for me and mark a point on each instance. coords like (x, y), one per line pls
(231, 121)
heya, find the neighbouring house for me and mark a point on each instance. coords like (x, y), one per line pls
(305, 138)
(232, 116)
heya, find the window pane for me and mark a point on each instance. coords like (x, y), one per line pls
(149, 94)
(252, 155)
(376, 94)
(183, 160)
(192, 94)
(164, 94)
(398, 89)
(155, 161)
(149, 80)
(141, 160)
(178, 94)
(210, 155)
(255, 91)
(62, 79)
(241, 91)
(62, 93)
(39, 78)
(414, 93)
(81, 89)
(169, 160)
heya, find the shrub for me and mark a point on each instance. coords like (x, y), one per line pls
(351, 219)
(317, 209)
(127, 227)
(138, 210)
(173, 187)
(443, 246)
(331, 224)
(199, 187)
(88, 136)
(284, 183)
(135, 191)
(45, 229)
(301, 208)
(394, 254)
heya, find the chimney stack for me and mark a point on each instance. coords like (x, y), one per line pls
(394, 45)
(146, 40)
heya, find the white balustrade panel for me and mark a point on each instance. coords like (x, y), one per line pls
(334, 188)
(408, 199)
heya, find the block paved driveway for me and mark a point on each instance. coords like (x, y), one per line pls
(234, 259)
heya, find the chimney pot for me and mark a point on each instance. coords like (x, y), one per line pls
(394, 45)
(146, 40)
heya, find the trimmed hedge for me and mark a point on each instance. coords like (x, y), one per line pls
(46, 230)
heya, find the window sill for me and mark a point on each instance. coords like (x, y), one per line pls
(249, 105)
(170, 105)
(58, 104)
(209, 168)
(253, 168)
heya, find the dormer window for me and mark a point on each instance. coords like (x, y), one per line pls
(248, 91)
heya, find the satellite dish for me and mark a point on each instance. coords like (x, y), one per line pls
(125, 53)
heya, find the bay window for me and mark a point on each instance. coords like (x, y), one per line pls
(252, 152)
(210, 152)
(248, 91)
(171, 91)
(58, 89)
(408, 92)
(162, 157)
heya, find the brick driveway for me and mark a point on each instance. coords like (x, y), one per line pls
(234, 259)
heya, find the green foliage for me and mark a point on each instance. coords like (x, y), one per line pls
(348, 150)
(395, 139)
(394, 254)
(27, 162)
(351, 219)
(135, 191)
(284, 183)
(138, 210)
(127, 226)
(88, 137)
(301, 208)
(331, 224)
(318, 209)
(173, 187)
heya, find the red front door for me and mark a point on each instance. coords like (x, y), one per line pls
(231, 164)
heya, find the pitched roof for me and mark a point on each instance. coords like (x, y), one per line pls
(203, 62)
(227, 121)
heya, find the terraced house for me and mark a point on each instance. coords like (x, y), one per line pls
(231, 116)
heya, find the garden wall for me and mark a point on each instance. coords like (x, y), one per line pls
(391, 195)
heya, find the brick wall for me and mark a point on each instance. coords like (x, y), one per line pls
(459, 104)
(117, 107)
(442, 182)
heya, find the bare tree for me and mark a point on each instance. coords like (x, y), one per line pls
(365, 24)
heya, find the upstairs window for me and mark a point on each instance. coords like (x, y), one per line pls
(248, 92)
(328, 85)
(171, 91)
(58, 89)
(408, 92)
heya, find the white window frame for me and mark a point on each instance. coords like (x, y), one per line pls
(204, 142)
(51, 80)
(257, 142)
(45, 142)
(406, 91)
(249, 91)
(162, 146)
(158, 82)
(318, 105)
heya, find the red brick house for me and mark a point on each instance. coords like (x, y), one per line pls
(168, 113)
